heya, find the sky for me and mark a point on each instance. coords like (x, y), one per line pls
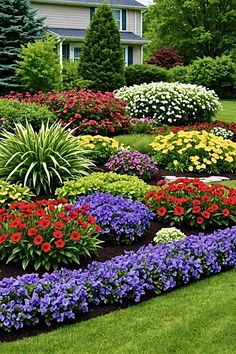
(145, 2)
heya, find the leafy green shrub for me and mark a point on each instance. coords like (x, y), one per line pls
(179, 74)
(12, 192)
(39, 65)
(71, 78)
(41, 160)
(217, 74)
(170, 103)
(129, 186)
(12, 112)
(137, 74)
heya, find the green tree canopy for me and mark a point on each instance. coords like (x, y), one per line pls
(197, 28)
(18, 26)
(101, 59)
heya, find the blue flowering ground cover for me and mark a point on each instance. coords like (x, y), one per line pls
(122, 220)
(65, 294)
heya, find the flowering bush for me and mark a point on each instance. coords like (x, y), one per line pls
(46, 233)
(170, 103)
(193, 202)
(224, 133)
(65, 294)
(101, 147)
(122, 220)
(129, 186)
(195, 151)
(132, 163)
(168, 234)
(11, 192)
(84, 110)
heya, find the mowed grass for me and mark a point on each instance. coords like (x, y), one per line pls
(228, 114)
(138, 142)
(197, 319)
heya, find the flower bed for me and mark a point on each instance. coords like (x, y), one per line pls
(170, 103)
(65, 294)
(46, 233)
(133, 163)
(122, 220)
(193, 202)
(195, 152)
(84, 110)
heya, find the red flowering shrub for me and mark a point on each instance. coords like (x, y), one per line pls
(167, 58)
(193, 202)
(84, 110)
(46, 233)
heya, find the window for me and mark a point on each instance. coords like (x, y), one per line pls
(75, 51)
(128, 55)
(117, 17)
(125, 52)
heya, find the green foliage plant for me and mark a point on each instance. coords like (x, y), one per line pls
(129, 186)
(13, 192)
(71, 78)
(41, 160)
(12, 111)
(39, 65)
(137, 74)
(101, 59)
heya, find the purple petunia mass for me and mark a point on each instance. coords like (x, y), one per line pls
(122, 220)
(64, 294)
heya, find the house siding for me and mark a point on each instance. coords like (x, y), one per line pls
(136, 54)
(64, 16)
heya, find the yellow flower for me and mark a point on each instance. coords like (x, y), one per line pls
(190, 168)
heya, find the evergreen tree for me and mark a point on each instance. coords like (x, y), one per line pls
(101, 59)
(18, 26)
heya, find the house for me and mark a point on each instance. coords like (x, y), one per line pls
(69, 19)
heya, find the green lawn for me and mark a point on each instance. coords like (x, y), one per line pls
(228, 114)
(197, 319)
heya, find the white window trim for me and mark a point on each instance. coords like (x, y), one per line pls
(126, 54)
(126, 13)
(72, 53)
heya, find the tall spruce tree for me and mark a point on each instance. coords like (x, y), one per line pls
(18, 25)
(101, 59)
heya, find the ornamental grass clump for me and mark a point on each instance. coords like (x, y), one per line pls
(47, 234)
(192, 202)
(65, 294)
(130, 187)
(170, 103)
(41, 160)
(100, 147)
(195, 151)
(122, 220)
(133, 163)
(168, 234)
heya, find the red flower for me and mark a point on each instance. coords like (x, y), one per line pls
(206, 214)
(60, 243)
(58, 225)
(226, 212)
(75, 235)
(44, 223)
(196, 209)
(40, 212)
(16, 237)
(85, 206)
(46, 247)
(22, 226)
(38, 240)
(32, 231)
(3, 238)
(61, 215)
(178, 211)
(58, 234)
(98, 228)
(196, 202)
(200, 220)
(91, 220)
(74, 214)
(161, 211)
(213, 207)
(161, 183)
(206, 198)
(15, 223)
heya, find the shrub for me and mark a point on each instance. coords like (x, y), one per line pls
(138, 74)
(12, 112)
(101, 147)
(193, 202)
(179, 74)
(142, 125)
(217, 74)
(46, 234)
(222, 132)
(166, 58)
(195, 151)
(70, 76)
(132, 163)
(122, 220)
(168, 234)
(119, 280)
(41, 160)
(129, 186)
(39, 65)
(170, 103)
(86, 111)
(11, 192)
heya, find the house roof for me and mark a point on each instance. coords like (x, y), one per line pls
(113, 3)
(79, 34)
